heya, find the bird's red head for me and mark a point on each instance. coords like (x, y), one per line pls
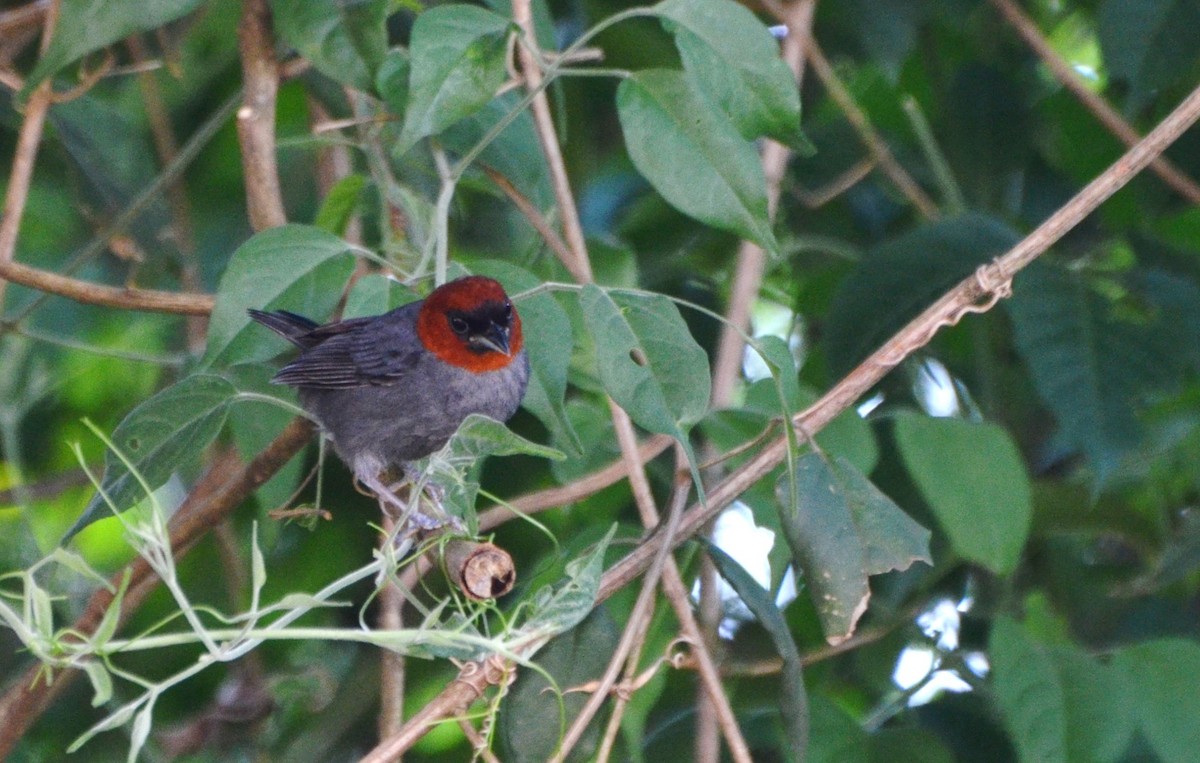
(470, 323)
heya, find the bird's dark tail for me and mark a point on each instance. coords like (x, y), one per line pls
(295, 328)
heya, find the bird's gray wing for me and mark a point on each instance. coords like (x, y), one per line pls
(355, 353)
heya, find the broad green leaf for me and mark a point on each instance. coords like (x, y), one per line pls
(842, 529)
(89, 25)
(296, 267)
(1029, 692)
(457, 64)
(1092, 365)
(974, 480)
(1162, 677)
(340, 204)
(571, 659)
(376, 294)
(793, 698)
(647, 359)
(547, 332)
(901, 277)
(1149, 44)
(910, 744)
(391, 81)
(345, 41)
(166, 433)
(1096, 700)
(835, 737)
(693, 155)
(731, 56)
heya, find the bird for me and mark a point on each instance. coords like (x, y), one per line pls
(391, 389)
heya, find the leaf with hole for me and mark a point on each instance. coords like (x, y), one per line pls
(647, 359)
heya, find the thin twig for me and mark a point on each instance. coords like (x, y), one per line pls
(167, 147)
(391, 664)
(543, 122)
(24, 157)
(1105, 114)
(533, 215)
(874, 143)
(634, 635)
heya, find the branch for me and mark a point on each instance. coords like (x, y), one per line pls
(256, 117)
(1105, 114)
(89, 293)
(989, 283)
(25, 156)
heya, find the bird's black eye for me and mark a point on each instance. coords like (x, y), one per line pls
(508, 311)
(459, 326)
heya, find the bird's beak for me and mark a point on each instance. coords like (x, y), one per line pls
(495, 339)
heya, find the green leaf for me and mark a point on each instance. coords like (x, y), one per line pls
(295, 267)
(731, 56)
(647, 359)
(478, 436)
(1162, 677)
(340, 203)
(376, 294)
(90, 25)
(345, 41)
(1091, 365)
(1096, 699)
(842, 529)
(974, 480)
(693, 155)
(793, 698)
(162, 435)
(548, 341)
(901, 277)
(457, 62)
(255, 423)
(835, 736)
(1029, 693)
(391, 81)
(909, 744)
(1150, 44)
(559, 609)
(779, 358)
(571, 660)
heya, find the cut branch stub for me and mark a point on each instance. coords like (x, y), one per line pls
(480, 570)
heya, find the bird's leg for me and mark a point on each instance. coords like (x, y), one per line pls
(435, 499)
(389, 502)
